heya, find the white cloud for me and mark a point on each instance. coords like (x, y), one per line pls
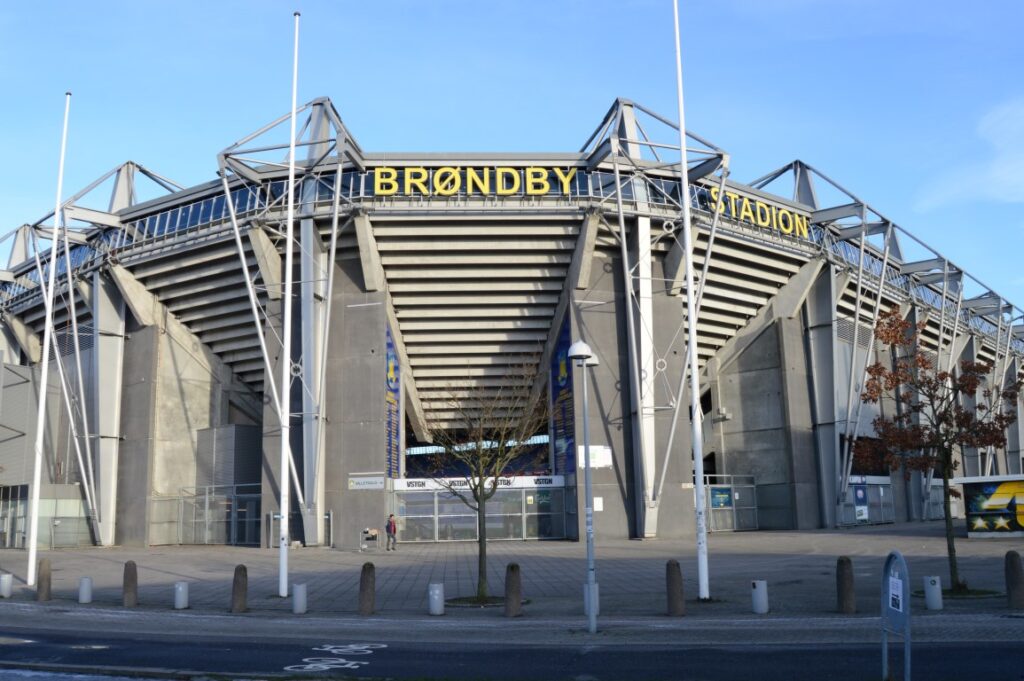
(998, 178)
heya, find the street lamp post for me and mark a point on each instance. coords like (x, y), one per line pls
(584, 357)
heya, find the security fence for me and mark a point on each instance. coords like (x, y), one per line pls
(221, 514)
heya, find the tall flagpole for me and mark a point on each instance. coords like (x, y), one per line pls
(37, 467)
(696, 431)
(286, 340)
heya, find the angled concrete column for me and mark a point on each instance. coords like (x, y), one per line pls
(106, 362)
(312, 290)
(1015, 433)
(820, 315)
(970, 458)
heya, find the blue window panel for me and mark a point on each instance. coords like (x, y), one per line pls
(204, 211)
(172, 220)
(219, 208)
(161, 224)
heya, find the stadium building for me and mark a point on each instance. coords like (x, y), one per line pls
(427, 285)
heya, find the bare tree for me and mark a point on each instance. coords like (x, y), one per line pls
(942, 413)
(486, 435)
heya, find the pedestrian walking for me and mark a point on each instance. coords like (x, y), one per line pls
(391, 529)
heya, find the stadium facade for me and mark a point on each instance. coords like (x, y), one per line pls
(427, 286)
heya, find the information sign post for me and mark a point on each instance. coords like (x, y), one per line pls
(896, 610)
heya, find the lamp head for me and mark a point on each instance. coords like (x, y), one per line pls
(580, 351)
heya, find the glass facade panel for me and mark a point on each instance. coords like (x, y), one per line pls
(504, 526)
(449, 504)
(416, 504)
(416, 529)
(456, 527)
(506, 501)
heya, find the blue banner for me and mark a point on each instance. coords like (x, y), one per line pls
(393, 406)
(563, 425)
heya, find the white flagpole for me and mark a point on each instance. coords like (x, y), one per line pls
(696, 432)
(286, 337)
(37, 467)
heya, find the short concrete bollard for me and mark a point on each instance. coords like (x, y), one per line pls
(367, 589)
(43, 590)
(435, 599)
(674, 587)
(6, 585)
(85, 590)
(240, 590)
(299, 599)
(846, 595)
(513, 591)
(1014, 581)
(933, 593)
(181, 595)
(759, 596)
(130, 585)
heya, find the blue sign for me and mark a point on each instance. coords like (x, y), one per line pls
(393, 406)
(563, 424)
(721, 497)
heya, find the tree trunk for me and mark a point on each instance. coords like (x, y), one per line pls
(954, 573)
(481, 539)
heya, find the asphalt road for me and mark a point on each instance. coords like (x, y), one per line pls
(118, 654)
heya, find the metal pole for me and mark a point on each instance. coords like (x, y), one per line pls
(589, 503)
(87, 473)
(286, 336)
(696, 431)
(845, 447)
(37, 467)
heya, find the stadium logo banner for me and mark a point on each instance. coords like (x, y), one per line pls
(393, 405)
(563, 427)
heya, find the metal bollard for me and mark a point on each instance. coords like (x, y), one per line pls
(435, 598)
(85, 590)
(6, 585)
(180, 595)
(759, 596)
(299, 599)
(933, 593)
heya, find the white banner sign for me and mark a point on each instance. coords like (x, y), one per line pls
(510, 482)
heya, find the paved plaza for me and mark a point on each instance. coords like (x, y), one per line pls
(799, 568)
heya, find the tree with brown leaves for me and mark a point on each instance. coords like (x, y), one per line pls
(485, 437)
(942, 413)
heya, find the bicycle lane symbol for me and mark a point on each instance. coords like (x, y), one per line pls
(323, 664)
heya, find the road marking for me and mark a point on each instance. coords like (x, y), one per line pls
(323, 664)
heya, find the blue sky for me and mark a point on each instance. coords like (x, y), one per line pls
(917, 107)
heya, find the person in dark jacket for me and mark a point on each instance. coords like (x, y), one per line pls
(391, 529)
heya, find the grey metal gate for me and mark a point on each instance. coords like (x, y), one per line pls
(731, 502)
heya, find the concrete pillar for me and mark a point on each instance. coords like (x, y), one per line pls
(819, 316)
(797, 411)
(106, 366)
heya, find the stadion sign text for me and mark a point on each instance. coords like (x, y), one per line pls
(447, 181)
